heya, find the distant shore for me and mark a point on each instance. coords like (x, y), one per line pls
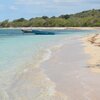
(57, 28)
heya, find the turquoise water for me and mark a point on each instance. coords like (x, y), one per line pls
(17, 48)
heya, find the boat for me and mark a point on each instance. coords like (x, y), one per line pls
(38, 32)
(42, 32)
(26, 31)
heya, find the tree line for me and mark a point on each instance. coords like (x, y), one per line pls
(90, 18)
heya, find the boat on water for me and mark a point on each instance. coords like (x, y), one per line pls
(38, 32)
(26, 31)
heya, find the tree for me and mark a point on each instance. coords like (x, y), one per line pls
(65, 16)
(82, 19)
(45, 17)
(5, 23)
(20, 20)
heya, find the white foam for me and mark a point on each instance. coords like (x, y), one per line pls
(47, 55)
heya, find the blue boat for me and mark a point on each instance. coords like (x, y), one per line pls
(39, 32)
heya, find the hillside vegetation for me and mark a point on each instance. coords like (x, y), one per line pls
(90, 18)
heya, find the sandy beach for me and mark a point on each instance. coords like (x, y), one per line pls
(70, 69)
(56, 28)
(92, 47)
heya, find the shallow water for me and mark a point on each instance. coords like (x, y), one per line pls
(14, 45)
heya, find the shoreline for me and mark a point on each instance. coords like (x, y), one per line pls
(92, 47)
(60, 67)
(56, 28)
(65, 68)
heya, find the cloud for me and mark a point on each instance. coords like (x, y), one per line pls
(52, 3)
(30, 2)
(78, 1)
(46, 3)
(66, 1)
(93, 1)
(40, 2)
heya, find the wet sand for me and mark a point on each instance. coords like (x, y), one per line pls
(33, 84)
(68, 69)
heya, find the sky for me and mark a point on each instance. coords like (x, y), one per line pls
(14, 9)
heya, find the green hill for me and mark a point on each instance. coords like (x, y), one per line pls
(89, 13)
(90, 18)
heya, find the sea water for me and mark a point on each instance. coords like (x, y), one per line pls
(18, 51)
(18, 47)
